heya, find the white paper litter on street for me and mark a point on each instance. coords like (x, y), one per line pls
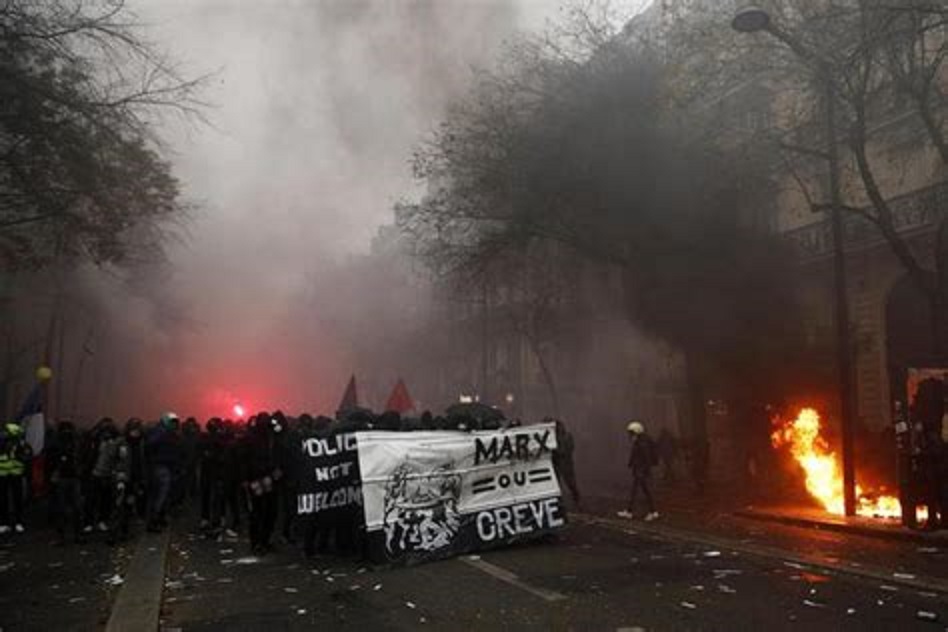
(688, 604)
(247, 560)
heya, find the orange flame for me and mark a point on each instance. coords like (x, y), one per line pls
(824, 478)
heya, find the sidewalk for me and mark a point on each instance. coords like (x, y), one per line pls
(816, 519)
(680, 504)
(46, 587)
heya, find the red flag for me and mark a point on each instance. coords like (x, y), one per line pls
(400, 401)
(350, 399)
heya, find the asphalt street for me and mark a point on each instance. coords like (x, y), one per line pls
(598, 575)
(712, 572)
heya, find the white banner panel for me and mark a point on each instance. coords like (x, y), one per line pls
(435, 494)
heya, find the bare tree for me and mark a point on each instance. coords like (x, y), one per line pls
(581, 149)
(885, 63)
(80, 169)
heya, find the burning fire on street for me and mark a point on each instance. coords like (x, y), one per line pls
(823, 469)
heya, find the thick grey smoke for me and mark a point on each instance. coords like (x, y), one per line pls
(316, 108)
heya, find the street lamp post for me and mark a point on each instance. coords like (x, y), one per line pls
(753, 19)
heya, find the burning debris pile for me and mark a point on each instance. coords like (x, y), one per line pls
(823, 469)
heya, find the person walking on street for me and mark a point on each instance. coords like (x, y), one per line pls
(642, 458)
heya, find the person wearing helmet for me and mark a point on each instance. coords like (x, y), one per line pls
(14, 455)
(642, 458)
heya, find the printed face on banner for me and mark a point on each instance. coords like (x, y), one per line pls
(421, 508)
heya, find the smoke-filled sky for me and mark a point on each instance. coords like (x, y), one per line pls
(315, 108)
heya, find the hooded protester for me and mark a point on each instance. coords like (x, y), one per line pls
(642, 458)
(211, 452)
(260, 478)
(288, 456)
(120, 474)
(231, 475)
(99, 506)
(15, 454)
(62, 458)
(163, 450)
(188, 485)
(138, 465)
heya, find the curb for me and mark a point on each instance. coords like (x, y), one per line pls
(884, 533)
(137, 607)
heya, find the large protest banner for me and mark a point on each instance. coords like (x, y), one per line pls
(330, 486)
(431, 495)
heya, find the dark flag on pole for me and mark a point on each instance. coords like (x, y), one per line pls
(400, 401)
(350, 399)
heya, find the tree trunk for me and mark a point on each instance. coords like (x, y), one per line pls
(697, 408)
(939, 297)
(550, 382)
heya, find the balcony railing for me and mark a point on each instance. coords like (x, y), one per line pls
(911, 213)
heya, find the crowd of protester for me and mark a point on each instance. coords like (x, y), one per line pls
(103, 481)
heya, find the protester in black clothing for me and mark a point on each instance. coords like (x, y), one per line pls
(138, 466)
(210, 456)
(288, 460)
(642, 458)
(164, 453)
(187, 485)
(260, 479)
(62, 458)
(231, 477)
(563, 460)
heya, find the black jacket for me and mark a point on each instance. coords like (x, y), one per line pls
(642, 456)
